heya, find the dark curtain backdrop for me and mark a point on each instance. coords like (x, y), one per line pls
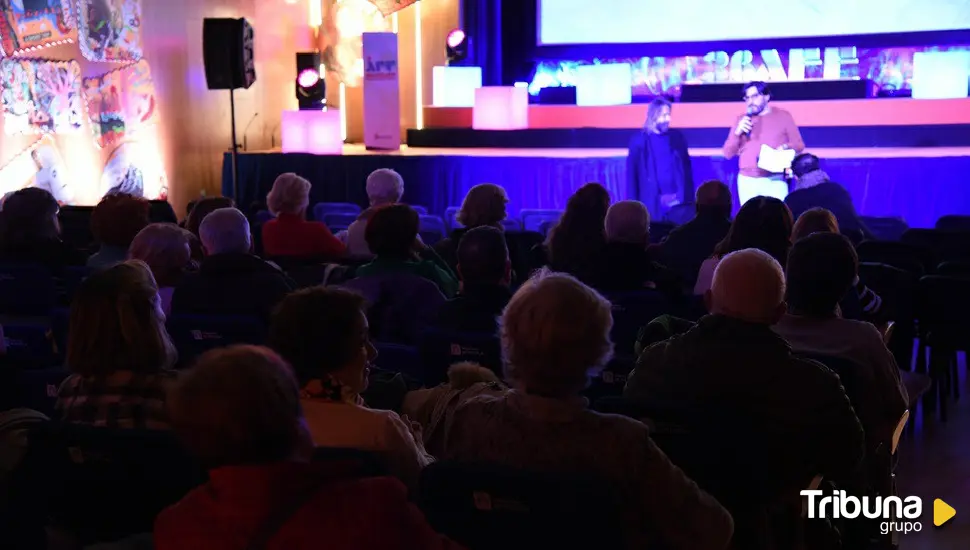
(482, 22)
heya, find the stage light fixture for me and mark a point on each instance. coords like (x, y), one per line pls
(311, 87)
(456, 45)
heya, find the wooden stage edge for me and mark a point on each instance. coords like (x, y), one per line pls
(823, 153)
(829, 113)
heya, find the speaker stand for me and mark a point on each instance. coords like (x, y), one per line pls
(235, 151)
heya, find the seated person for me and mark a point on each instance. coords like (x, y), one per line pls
(115, 222)
(323, 333)
(199, 211)
(555, 332)
(384, 186)
(392, 235)
(230, 280)
(485, 204)
(813, 189)
(118, 352)
(574, 243)
(687, 246)
(30, 232)
(238, 411)
(624, 264)
(764, 223)
(290, 234)
(166, 248)
(731, 369)
(820, 272)
(485, 272)
(862, 303)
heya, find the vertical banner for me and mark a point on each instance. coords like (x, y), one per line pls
(382, 101)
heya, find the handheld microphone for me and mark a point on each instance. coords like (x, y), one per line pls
(749, 112)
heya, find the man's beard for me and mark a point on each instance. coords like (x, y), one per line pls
(661, 128)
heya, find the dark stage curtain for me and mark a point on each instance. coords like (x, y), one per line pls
(482, 22)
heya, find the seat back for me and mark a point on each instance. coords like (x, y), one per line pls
(320, 209)
(953, 222)
(442, 348)
(400, 358)
(421, 210)
(943, 245)
(660, 230)
(915, 259)
(338, 221)
(610, 381)
(105, 484)
(29, 344)
(850, 374)
(263, 216)
(942, 303)
(954, 269)
(161, 211)
(451, 218)
(432, 229)
(485, 506)
(399, 306)
(631, 311)
(75, 224)
(681, 214)
(885, 229)
(532, 218)
(37, 388)
(26, 290)
(512, 224)
(194, 335)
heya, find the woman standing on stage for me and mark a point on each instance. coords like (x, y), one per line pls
(658, 164)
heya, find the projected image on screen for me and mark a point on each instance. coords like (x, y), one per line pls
(657, 21)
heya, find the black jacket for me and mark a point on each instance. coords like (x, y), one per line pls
(624, 267)
(687, 246)
(475, 309)
(640, 182)
(232, 284)
(834, 198)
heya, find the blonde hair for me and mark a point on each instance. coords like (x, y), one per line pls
(484, 204)
(116, 324)
(555, 332)
(814, 220)
(290, 195)
(166, 248)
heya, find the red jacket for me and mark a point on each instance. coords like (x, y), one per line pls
(290, 235)
(345, 513)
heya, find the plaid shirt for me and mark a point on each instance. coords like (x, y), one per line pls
(123, 399)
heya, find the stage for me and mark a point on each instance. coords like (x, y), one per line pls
(919, 184)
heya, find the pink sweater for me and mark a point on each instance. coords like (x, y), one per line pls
(774, 129)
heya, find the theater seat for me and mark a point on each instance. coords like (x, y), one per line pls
(440, 349)
(194, 335)
(26, 290)
(322, 208)
(487, 506)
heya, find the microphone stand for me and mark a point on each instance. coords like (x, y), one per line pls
(235, 146)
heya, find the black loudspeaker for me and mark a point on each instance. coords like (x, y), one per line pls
(311, 88)
(227, 47)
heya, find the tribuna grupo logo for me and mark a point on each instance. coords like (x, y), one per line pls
(898, 513)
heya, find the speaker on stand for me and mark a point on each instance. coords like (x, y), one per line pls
(227, 47)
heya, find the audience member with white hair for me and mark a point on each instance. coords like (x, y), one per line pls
(625, 264)
(555, 332)
(384, 186)
(231, 280)
(774, 420)
(290, 234)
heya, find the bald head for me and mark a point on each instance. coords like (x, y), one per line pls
(748, 285)
(225, 231)
(628, 222)
(714, 195)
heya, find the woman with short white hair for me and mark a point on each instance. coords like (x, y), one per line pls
(384, 186)
(290, 234)
(556, 332)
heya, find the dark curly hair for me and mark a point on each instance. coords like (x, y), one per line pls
(764, 223)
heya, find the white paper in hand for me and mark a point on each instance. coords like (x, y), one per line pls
(775, 160)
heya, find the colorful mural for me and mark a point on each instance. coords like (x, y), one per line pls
(26, 25)
(110, 30)
(120, 103)
(135, 168)
(40, 96)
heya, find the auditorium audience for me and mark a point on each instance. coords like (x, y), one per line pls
(773, 420)
(578, 237)
(485, 272)
(820, 273)
(230, 280)
(239, 412)
(166, 248)
(555, 332)
(392, 235)
(323, 334)
(814, 220)
(764, 223)
(118, 352)
(203, 208)
(384, 186)
(115, 222)
(624, 264)
(814, 189)
(30, 232)
(687, 246)
(289, 234)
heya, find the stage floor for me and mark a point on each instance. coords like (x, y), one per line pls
(916, 184)
(822, 153)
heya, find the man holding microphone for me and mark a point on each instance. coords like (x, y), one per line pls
(761, 124)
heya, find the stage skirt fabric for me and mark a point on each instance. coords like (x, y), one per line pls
(917, 189)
